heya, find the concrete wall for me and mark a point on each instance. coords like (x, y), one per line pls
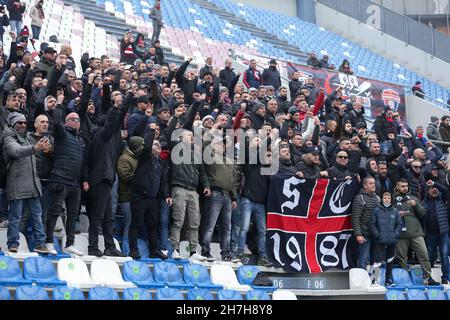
(419, 111)
(383, 44)
(416, 6)
(287, 7)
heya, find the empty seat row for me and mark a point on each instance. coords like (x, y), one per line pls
(34, 292)
(74, 272)
(429, 293)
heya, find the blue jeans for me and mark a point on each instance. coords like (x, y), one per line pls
(36, 32)
(15, 215)
(165, 212)
(364, 253)
(16, 26)
(217, 204)
(26, 225)
(248, 208)
(433, 242)
(236, 217)
(125, 208)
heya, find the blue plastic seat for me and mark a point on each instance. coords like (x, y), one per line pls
(199, 294)
(136, 294)
(41, 271)
(139, 273)
(169, 274)
(416, 294)
(168, 294)
(229, 295)
(395, 294)
(198, 275)
(66, 293)
(246, 275)
(103, 293)
(4, 294)
(257, 295)
(30, 292)
(416, 275)
(10, 273)
(436, 294)
(402, 279)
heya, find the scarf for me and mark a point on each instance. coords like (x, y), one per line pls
(158, 6)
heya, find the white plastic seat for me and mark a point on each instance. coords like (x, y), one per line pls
(75, 273)
(225, 276)
(284, 295)
(359, 279)
(107, 272)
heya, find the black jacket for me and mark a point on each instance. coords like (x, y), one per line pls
(44, 161)
(382, 127)
(309, 171)
(15, 10)
(256, 185)
(440, 212)
(339, 172)
(69, 165)
(143, 176)
(4, 23)
(271, 77)
(226, 76)
(294, 86)
(106, 148)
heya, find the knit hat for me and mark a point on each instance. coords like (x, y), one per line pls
(15, 117)
(136, 144)
(206, 118)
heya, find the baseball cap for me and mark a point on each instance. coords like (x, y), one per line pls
(50, 50)
(312, 149)
(143, 99)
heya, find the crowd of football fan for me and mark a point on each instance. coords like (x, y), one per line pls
(104, 141)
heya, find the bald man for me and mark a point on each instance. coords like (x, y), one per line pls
(69, 175)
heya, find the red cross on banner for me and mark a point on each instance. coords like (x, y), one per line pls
(314, 223)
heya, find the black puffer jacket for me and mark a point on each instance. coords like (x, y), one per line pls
(385, 225)
(69, 157)
(362, 210)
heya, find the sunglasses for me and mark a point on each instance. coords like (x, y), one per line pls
(342, 157)
(76, 120)
(22, 123)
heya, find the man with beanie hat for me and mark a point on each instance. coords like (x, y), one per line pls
(69, 175)
(22, 182)
(126, 166)
(271, 76)
(433, 129)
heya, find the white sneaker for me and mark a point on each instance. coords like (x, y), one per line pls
(198, 257)
(176, 255)
(166, 252)
(73, 250)
(51, 248)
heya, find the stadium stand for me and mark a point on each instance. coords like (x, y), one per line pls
(201, 29)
